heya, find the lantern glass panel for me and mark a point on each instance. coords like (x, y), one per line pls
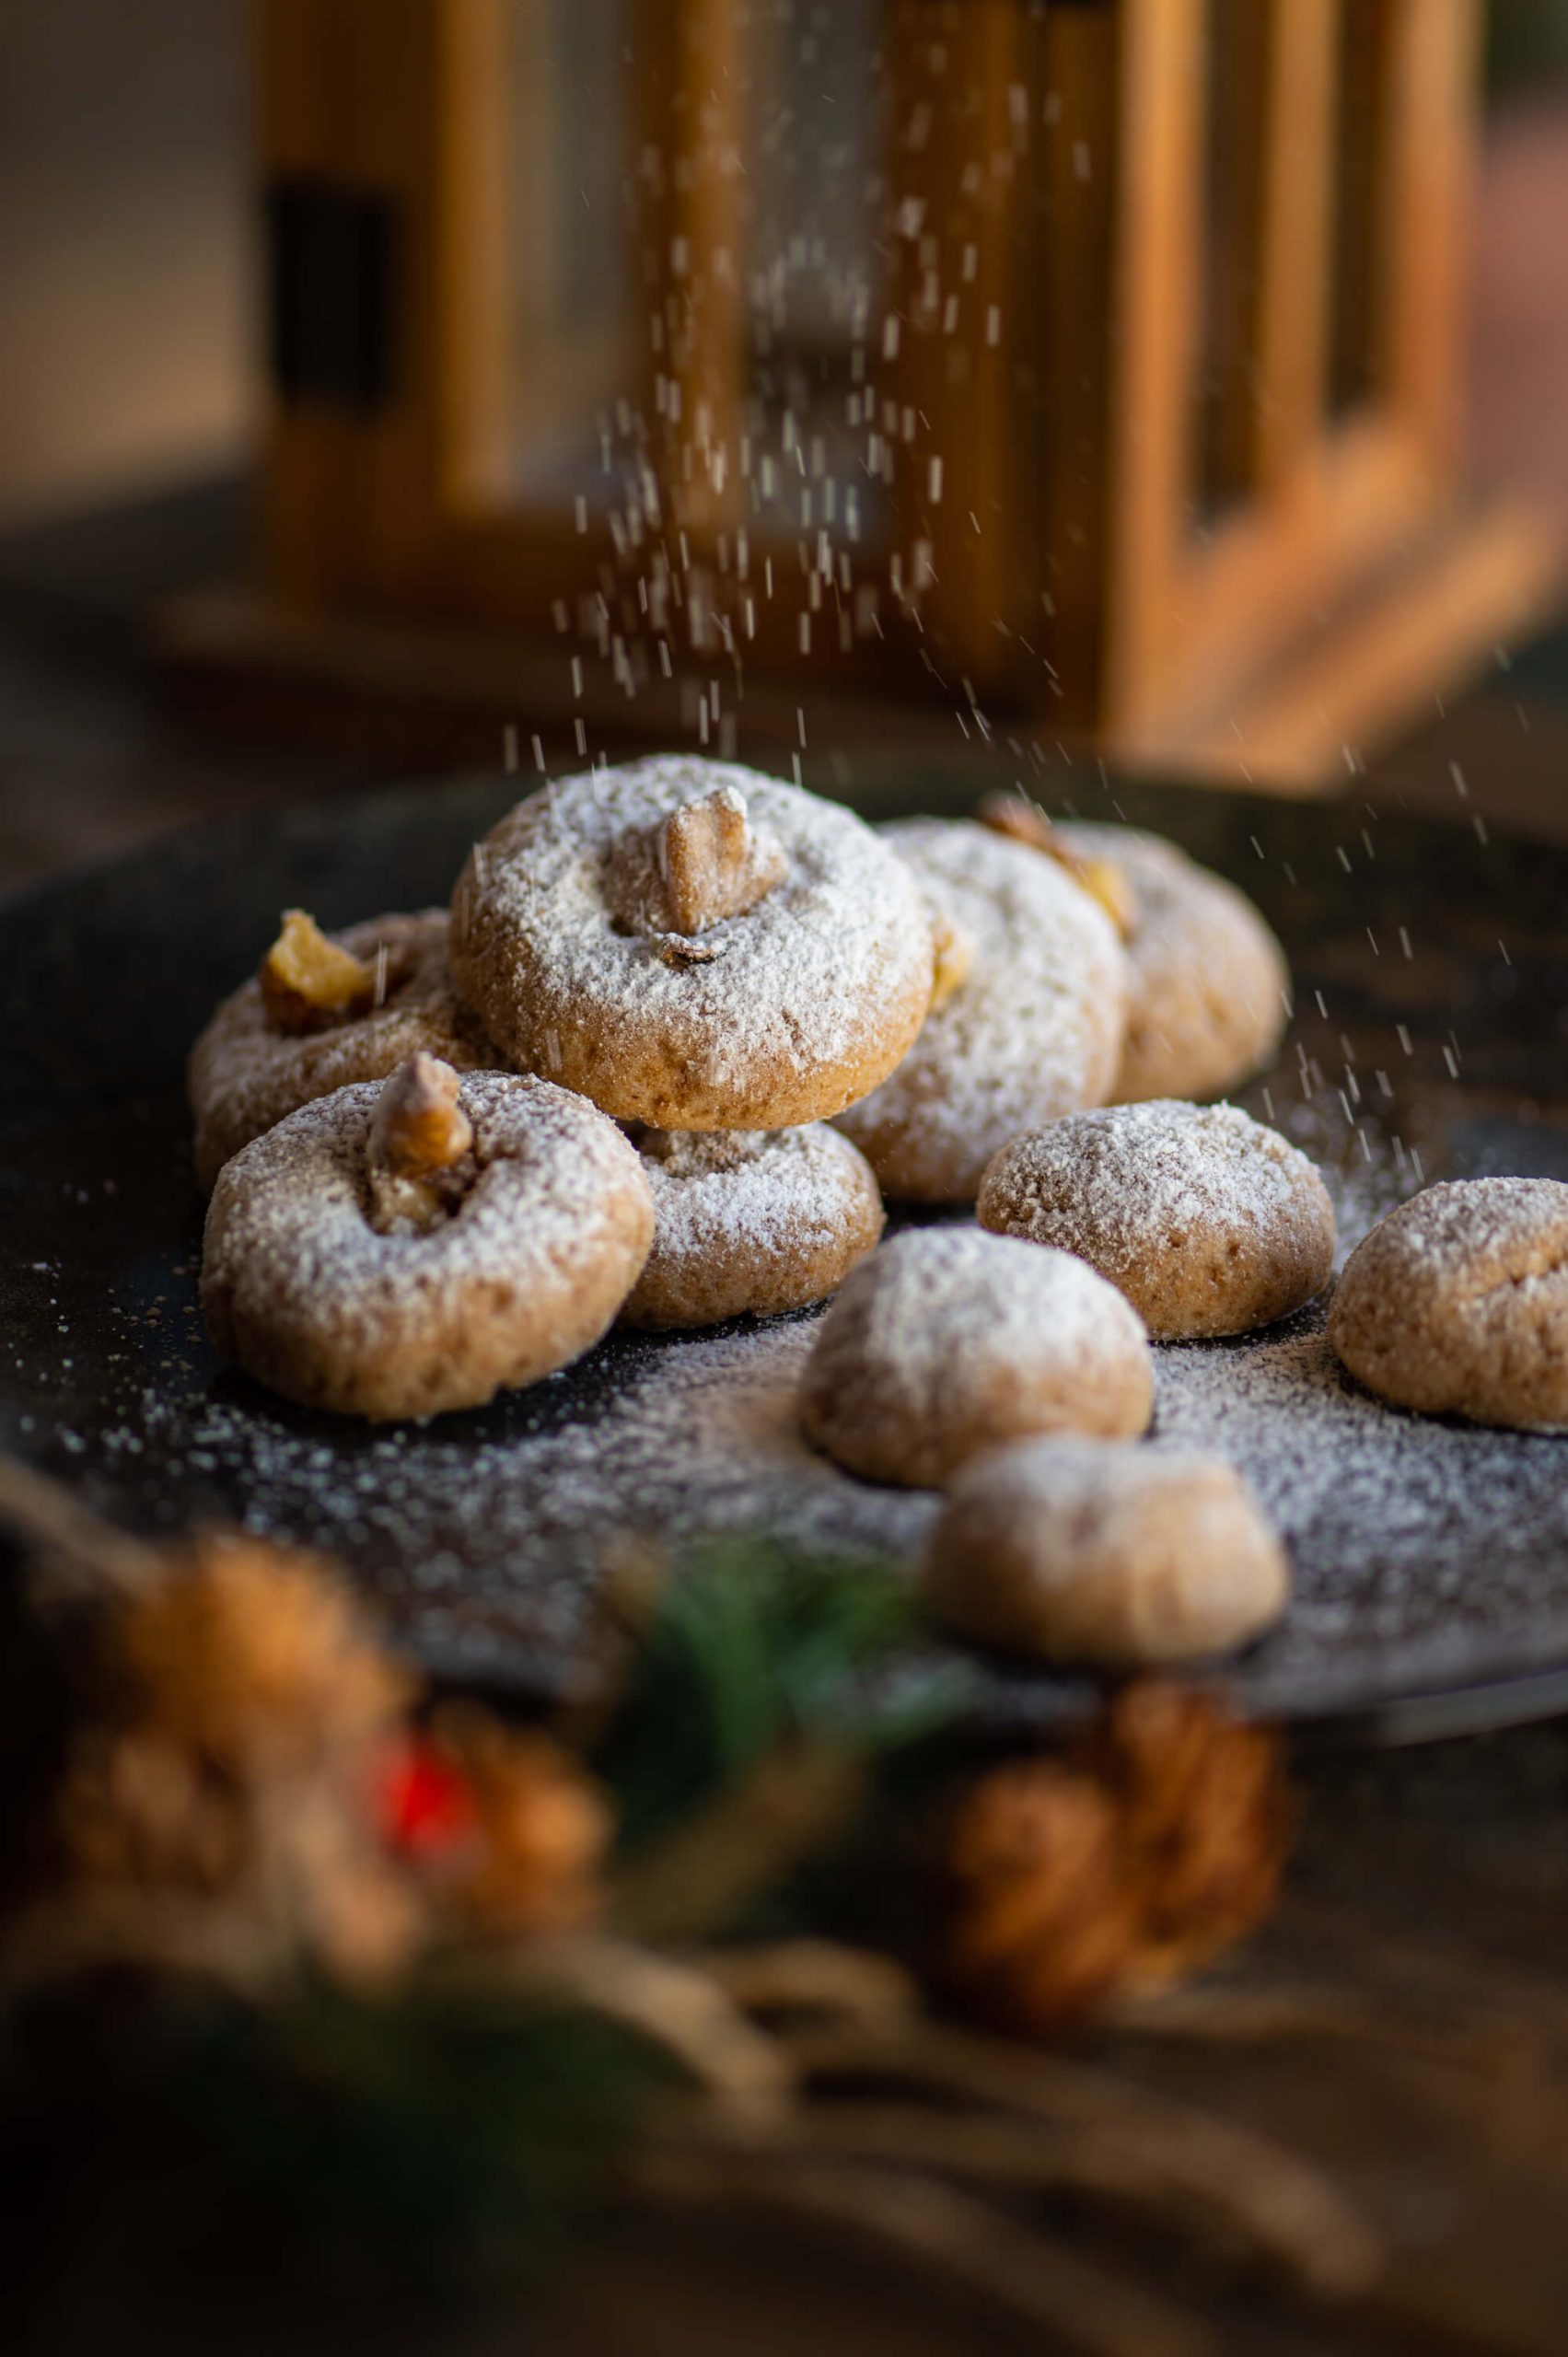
(574, 340)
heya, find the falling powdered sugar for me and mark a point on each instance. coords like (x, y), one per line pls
(1427, 1553)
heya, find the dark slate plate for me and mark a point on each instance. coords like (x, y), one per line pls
(1431, 1040)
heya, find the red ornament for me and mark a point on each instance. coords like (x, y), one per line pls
(424, 1805)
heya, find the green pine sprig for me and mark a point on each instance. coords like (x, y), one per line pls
(751, 1647)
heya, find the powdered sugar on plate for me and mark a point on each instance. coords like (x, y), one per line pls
(1427, 1553)
(1418, 1542)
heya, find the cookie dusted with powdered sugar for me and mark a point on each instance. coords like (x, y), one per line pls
(1033, 1029)
(750, 1222)
(325, 1010)
(694, 946)
(949, 1342)
(404, 1249)
(1209, 986)
(1099, 1552)
(1457, 1303)
(1209, 1223)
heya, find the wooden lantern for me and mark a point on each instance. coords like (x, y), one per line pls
(1093, 368)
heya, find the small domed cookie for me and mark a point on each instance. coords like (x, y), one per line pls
(400, 1251)
(694, 946)
(1098, 1551)
(1457, 1303)
(947, 1342)
(326, 1010)
(1209, 981)
(1209, 1223)
(1034, 1029)
(751, 1222)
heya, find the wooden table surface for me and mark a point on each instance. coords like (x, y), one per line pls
(1411, 2030)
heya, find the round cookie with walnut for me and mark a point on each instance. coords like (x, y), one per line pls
(1457, 1303)
(1209, 986)
(1209, 1223)
(949, 1342)
(402, 1250)
(750, 1222)
(321, 1011)
(694, 946)
(1033, 1027)
(1097, 1552)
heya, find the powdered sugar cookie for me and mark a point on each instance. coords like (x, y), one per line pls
(1209, 984)
(325, 1010)
(400, 1250)
(1458, 1304)
(1094, 1550)
(694, 946)
(1034, 1029)
(751, 1222)
(947, 1342)
(1209, 1223)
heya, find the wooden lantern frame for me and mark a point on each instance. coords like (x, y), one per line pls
(1345, 580)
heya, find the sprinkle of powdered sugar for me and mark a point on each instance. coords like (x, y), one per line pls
(1425, 1551)
(1131, 1181)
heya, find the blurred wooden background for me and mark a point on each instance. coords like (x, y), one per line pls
(131, 352)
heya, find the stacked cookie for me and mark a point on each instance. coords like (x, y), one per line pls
(681, 1029)
(447, 1152)
(720, 965)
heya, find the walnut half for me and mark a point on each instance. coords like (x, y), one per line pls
(954, 955)
(308, 981)
(713, 863)
(416, 1154)
(700, 864)
(1024, 821)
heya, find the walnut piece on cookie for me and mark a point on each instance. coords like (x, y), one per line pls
(701, 863)
(713, 864)
(1105, 1551)
(954, 946)
(419, 1141)
(245, 1073)
(1023, 821)
(306, 980)
(547, 1234)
